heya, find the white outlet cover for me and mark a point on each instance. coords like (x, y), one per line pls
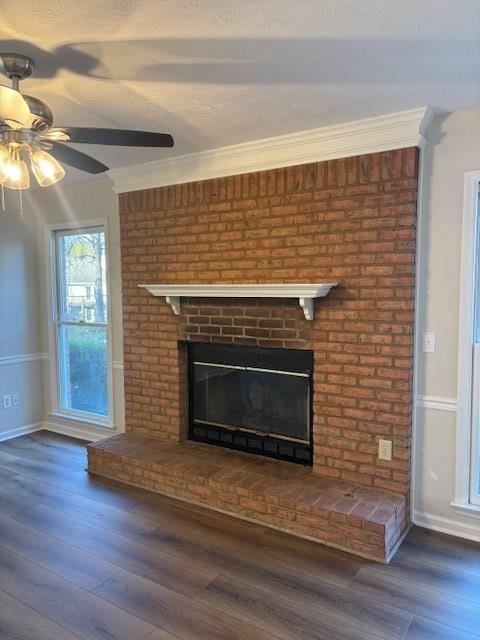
(15, 399)
(385, 450)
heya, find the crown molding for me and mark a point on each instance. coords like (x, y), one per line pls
(382, 133)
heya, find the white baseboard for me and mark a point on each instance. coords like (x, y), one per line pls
(21, 431)
(446, 525)
(80, 433)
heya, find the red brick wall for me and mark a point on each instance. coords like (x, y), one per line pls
(350, 221)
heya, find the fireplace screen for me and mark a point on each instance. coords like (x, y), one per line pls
(255, 399)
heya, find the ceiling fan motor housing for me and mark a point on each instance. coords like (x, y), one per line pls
(16, 65)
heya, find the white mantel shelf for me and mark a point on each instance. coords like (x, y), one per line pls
(306, 293)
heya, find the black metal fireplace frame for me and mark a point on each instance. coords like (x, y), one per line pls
(240, 438)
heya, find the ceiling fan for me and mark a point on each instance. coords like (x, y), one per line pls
(27, 135)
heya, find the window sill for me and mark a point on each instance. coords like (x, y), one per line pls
(81, 420)
(467, 509)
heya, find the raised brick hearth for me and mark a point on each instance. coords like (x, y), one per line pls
(350, 221)
(288, 497)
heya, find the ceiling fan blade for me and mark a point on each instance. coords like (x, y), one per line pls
(77, 159)
(125, 137)
(14, 109)
(54, 134)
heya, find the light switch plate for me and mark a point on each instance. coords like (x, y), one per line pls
(7, 401)
(15, 399)
(429, 342)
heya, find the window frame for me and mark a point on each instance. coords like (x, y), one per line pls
(467, 499)
(54, 323)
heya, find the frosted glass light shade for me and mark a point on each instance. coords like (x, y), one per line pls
(45, 168)
(14, 109)
(3, 160)
(15, 170)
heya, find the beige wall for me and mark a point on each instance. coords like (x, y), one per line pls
(19, 316)
(24, 328)
(65, 204)
(453, 148)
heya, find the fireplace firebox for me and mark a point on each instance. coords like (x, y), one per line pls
(252, 398)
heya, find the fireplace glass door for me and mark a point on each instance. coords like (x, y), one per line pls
(251, 395)
(272, 402)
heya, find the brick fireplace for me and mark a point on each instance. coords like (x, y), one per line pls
(350, 221)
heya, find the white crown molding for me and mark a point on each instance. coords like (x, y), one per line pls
(382, 133)
(306, 293)
(437, 402)
(21, 358)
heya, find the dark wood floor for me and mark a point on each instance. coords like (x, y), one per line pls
(82, 557)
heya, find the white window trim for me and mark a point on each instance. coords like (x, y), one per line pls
(467, 410)
(51, 288)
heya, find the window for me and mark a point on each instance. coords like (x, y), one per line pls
(467, 473)
(81, 323)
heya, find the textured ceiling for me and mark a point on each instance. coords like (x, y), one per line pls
(219, 72)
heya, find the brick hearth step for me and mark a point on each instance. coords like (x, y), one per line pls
(362, 520)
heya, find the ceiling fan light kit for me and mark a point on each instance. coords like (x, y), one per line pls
(27, 135)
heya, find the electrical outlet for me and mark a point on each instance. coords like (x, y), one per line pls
(384, 449)
(7, 401)
(15, 399)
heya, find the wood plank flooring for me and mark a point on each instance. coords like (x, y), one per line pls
(87, 558)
